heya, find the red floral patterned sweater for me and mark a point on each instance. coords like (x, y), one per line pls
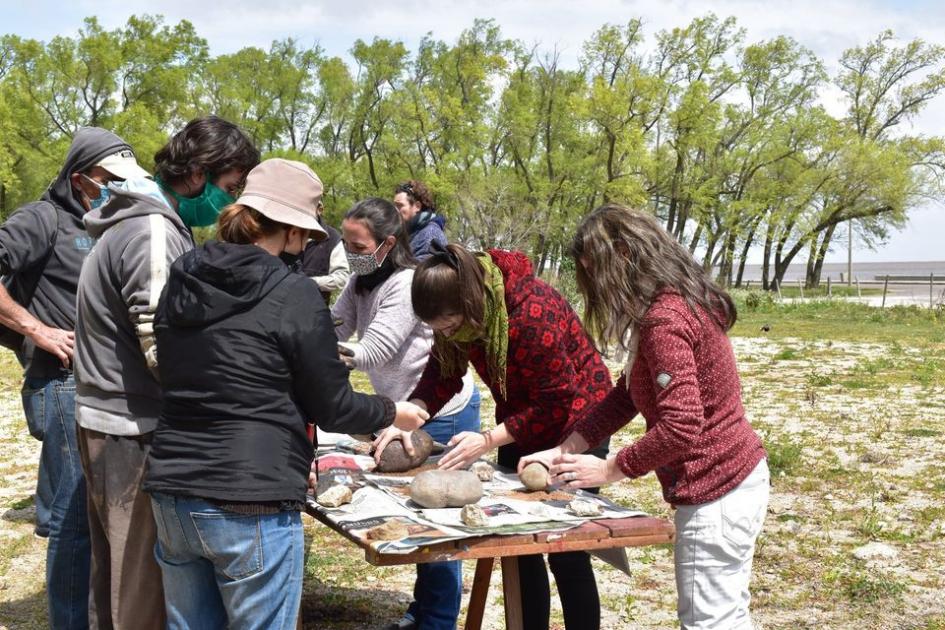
(685, 383)
(554, 373)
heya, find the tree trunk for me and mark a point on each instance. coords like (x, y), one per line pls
(749, 240)
(766, 261)
(822, 255)
(541, 252)
(811, 259)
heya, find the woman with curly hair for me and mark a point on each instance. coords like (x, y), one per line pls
(424, 226)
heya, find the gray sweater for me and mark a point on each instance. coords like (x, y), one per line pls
(393, 344)
(139, 236)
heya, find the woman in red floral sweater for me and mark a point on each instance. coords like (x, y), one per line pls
(644, 291)
(530, 349)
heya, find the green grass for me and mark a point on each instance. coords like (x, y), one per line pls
(784, 455)
(836, 320)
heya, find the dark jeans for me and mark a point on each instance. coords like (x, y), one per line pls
(49, 405)
(577, 586)
(438, 590)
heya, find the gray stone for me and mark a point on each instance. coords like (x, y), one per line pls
(391, 530)
(445, 488)
(583, 507)
(473, 516)
(534, 476)
(395, 457)
(335, 496)
(483, 470)
(875, 551)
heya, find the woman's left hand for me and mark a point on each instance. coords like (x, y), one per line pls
(584, 471)
(467, 447)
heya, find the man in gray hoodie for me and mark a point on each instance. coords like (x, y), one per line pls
(42, 247)
(142, 228)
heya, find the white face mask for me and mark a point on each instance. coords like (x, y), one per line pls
(364, 264)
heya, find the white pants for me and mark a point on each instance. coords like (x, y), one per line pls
(715, 543)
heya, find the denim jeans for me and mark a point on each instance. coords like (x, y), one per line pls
(438, 590)
(49, 405)
(226, 570)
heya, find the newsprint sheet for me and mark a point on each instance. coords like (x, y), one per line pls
(380, 498)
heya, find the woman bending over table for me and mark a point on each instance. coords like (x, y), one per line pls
(530, 350)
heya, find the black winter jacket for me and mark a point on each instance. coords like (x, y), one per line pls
(247, 354)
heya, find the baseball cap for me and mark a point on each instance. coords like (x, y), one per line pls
(285, 191)
(124, 165)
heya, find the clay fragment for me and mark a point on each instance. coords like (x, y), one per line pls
(395, 457)
(534, 476)
(583, 507)
(391, 530)
(334, 496)
(445, 488)
(473, 516)
(483, 470)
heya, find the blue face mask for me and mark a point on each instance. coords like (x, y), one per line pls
(104, 194)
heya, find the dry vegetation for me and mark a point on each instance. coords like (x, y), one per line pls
(851, 405)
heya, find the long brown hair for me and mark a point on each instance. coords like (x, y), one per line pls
(449, 281)
(630, 258)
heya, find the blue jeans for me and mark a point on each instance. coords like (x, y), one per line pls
(438, 590)
(226, 570)
(49, 405)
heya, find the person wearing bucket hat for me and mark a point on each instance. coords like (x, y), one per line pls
(248, 356)
(141, 229)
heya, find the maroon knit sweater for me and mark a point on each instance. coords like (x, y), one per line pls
(685, 384)
(554, 373)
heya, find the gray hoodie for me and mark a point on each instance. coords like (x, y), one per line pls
(139, 236)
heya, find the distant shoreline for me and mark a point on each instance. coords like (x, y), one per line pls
(865, 271)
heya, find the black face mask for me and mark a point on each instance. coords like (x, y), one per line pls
(292, 261)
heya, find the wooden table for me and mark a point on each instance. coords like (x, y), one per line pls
(602, 534)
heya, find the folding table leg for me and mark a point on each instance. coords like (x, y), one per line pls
(479, 594)
(513, 593)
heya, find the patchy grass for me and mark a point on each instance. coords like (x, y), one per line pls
(850, 402)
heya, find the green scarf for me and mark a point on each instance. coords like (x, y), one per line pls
(453, 352)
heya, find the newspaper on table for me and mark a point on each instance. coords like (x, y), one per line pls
(381, 498)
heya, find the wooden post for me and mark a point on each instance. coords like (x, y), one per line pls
(885, 286)
(747, 285)
(777, 285)
(480, 591)
(829, 290)
(800, 288)
(858, 294)
(931, 289)
(513, 593)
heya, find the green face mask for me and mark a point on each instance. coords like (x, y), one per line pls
(202, 210)
(464, 334)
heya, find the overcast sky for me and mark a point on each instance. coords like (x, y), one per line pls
(825, 26)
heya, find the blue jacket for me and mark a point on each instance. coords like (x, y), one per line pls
(425, 228)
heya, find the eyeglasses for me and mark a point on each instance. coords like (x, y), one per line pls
(405, 188)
